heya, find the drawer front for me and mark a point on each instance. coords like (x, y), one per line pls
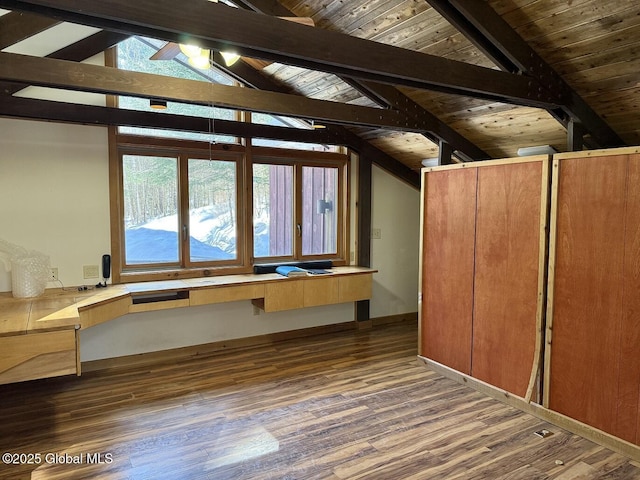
(355, 287)
(37, 355)
(284, 295)
(226, 294)
(320, 291)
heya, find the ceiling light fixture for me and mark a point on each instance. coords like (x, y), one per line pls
(190, 50)
(536, 150)
(230, 58)
(200, 57)
(430, 162)
(202, 61)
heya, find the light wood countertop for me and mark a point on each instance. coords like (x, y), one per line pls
(60, 309)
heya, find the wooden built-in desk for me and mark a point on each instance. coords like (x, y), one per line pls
(39, 336)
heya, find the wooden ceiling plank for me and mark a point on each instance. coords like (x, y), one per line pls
(384, 95)
(444, 133)
(375, 17)
(474, 35)
(505, 6)
(499, 34)
(598, 59)
(215, 25)
(576, 19)
(581, 46)
(18, 26)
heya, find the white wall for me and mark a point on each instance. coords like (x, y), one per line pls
(54, 198)
(181, 327)
(396, 212)
(54, 195)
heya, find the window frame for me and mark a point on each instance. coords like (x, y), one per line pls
(182, 151)
(243, 153)
(298, 160)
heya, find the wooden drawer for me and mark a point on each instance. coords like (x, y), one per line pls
(284, 295)
(354, 288)
(226, 294)
(104, 312)
(37, 355)
(320, 291)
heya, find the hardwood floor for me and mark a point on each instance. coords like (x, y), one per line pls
(346, 405)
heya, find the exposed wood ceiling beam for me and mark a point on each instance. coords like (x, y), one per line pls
(17, 26)
(100, 41)
(30, 109)
(93, 78)
(34, 109)
(441, 131)
(502, 44)
(384, 95)
(215, 25)
(267, 7)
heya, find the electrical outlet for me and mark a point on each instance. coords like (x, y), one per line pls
(53, 274)
(376, 233)
(90, 271)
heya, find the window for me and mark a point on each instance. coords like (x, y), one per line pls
(150, 200)
(180, 211)
(272, 210)
(135, 54)
(281, 121)
(297, 207)
(319, 214)
(213, 213)
(188, 204)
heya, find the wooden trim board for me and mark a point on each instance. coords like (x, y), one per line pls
(536, 368)
(553, 232)
(597, 153)
(486, 163)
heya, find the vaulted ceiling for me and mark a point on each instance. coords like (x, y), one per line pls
(398, 80)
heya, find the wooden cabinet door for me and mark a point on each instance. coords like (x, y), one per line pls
(507, 269)
(588, 289)
(447, 267)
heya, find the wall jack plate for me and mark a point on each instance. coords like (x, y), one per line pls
(90, 271)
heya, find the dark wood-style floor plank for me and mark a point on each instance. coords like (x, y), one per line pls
(349, 405)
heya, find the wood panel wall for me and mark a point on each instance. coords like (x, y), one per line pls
(506, 274)
(628, 421)
(591, 344)
(483, 268)
(594, 321)
(447, 269)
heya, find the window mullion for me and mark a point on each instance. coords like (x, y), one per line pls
(183, 211)
(297, 206)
